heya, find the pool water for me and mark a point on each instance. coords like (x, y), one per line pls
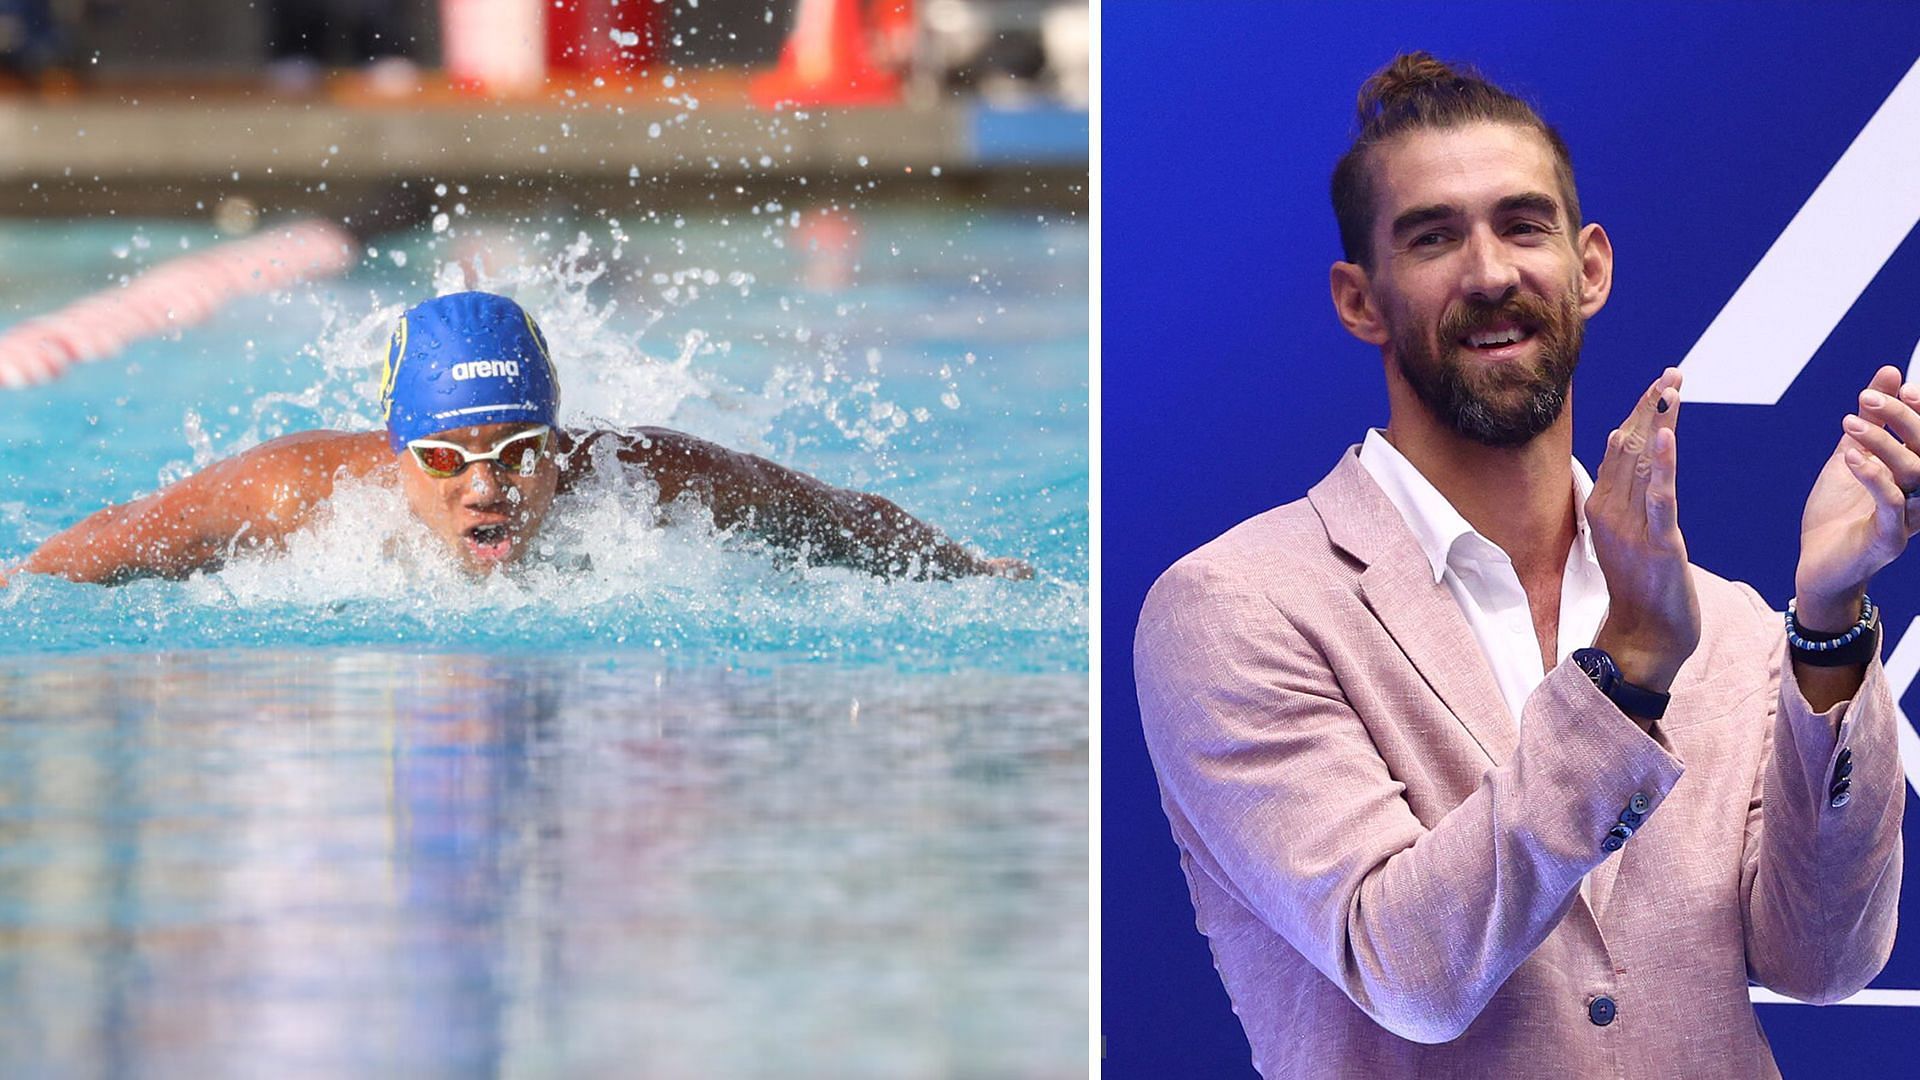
(941, 362)
(657, 804)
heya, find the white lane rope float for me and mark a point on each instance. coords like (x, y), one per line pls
(177, 293)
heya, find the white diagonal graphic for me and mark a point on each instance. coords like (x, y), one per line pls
(1789, 305)
(1822, 262)
(1901, 667)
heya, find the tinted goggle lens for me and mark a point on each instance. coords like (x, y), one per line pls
(440, 460)
(520, 454)
(523, 453)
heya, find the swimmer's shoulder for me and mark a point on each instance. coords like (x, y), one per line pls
(283, 480)
(669, 457)
(314, 460)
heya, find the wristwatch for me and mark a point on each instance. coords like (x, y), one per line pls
(1632, 700)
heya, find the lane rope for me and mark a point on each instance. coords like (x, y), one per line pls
(178, 293)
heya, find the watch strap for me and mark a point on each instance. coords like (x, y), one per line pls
(1638, 700)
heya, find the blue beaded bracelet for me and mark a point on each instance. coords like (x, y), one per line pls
(1841, 650)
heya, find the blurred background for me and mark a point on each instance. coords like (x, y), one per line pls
(309, 102)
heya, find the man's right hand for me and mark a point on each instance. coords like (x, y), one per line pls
(1653, 616)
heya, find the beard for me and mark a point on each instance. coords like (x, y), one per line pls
(1501, 405)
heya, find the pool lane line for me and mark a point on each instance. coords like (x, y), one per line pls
(179, 292)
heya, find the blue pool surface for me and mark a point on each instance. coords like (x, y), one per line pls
(654, 805)
(940, 361)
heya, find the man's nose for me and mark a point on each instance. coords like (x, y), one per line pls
(1490, 273)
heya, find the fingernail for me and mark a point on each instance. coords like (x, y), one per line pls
(1872, 399)
(1661, 405)
(1855, 425)
(1910, 392)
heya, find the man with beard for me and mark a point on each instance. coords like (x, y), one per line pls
(1471, 772)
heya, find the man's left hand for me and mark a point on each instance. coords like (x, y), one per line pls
(1859, 516)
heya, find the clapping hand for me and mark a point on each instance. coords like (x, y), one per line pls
(1653, 615)
(1860, 515)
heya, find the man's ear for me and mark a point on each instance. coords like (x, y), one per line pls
(1596, 269)
(1353, 302)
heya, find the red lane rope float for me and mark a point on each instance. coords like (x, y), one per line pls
(177, 293)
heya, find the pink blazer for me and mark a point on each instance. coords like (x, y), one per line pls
(1387, 864)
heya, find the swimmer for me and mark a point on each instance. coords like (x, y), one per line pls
(472, 441)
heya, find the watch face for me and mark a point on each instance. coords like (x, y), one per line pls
(1597, 664)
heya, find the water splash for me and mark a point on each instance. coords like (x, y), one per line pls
(674, 333)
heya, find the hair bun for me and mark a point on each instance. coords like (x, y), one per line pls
(1408, 75)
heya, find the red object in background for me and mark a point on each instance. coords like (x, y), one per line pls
(828, 60)
(581, 35)
(893, 32)
(892, 17)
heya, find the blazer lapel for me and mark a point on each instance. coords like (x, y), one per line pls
(1420, 613)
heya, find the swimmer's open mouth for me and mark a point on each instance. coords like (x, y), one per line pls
(490, 543)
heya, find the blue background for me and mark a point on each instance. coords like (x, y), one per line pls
(1697, 132)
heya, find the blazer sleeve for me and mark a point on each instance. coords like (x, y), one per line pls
(1820, 882)
(1291, 808)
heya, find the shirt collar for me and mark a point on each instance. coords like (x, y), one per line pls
(1436, 525)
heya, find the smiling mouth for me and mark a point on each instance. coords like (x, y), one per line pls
(1499, 340)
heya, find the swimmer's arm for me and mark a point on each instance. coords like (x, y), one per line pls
(796, 511)
(194, 524)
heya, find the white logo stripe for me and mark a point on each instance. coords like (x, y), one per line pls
(470, 410)
(1819, 266)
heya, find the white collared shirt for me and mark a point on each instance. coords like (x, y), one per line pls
(1482, 578)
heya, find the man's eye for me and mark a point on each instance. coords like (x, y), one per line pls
(1525, 228)
(1428, 239)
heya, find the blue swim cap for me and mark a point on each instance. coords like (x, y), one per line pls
(463, 360)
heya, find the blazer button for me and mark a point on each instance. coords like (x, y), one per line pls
(1600, 1010)
(1840, 794)
(1617, 838)
(1639, 803)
